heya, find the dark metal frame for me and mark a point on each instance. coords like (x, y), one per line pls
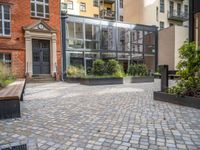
(137, 27)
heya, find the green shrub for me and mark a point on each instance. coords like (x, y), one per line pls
(112, 66)
(189, 71)
(74, 71)
(98, 67)
(138, 70)
(6, 76)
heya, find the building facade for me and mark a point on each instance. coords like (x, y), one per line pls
(162, 13)
(104, 9)
(195, 21)
(30, 36)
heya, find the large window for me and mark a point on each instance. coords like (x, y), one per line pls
(40, 8)
(70, 5)
(95, 3)
(121, 4)
(5, 58)
(162, 25)
(162, 6)
(82, 6)
(179, 9)
(5, 20)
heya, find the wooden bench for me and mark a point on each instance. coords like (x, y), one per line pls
(10, 97)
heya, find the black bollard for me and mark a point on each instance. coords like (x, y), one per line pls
(164, 77)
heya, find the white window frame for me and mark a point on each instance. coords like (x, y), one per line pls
(44, 4)
(4, 58)
(3, 20)
(70, 3)
(82, 5)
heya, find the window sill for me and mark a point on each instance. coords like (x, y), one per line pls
(5, 37)
(39, 18)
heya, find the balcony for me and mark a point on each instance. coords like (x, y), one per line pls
(107, 14)
(178, 15)
(107, 1)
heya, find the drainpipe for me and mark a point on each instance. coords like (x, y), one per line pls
(191, 20)
(63, 34)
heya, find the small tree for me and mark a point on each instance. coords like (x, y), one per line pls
(189, 71)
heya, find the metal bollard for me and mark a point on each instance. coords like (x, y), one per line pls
(164, 77)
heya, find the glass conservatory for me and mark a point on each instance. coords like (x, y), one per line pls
(86, 39)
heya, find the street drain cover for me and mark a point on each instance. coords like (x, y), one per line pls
(19, 147)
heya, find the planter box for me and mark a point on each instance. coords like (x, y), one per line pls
(172, 98)
(9, 109)
(101, 81)
(138, 79)
(73, 79)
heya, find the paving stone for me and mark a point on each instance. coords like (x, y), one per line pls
(72, 116)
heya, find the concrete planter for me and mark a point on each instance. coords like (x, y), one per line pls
(138, 79)
(101, 81)
(172, 98)
(73, 79)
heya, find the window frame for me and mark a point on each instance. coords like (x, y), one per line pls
(121, 4)
(72, 5)
(163, 23)
(44, 4)
(95, 3)
(162, 6)
(3, 20)
(81, 6)
(9, 62)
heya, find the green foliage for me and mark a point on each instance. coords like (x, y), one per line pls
(110, 68)
(98, 67)
(189, 71)
(138, 70)
(114, 68)
(74, 71)
(6, 76)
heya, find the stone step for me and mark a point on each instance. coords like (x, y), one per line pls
(41, 79)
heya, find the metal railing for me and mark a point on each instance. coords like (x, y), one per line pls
(107, 14)
(178, 15)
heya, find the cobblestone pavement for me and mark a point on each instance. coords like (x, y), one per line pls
(59, 116)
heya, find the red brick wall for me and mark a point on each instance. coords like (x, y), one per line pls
(20, 16)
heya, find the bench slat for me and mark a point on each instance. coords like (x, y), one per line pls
(13, 91)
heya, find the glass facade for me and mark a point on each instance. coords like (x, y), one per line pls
(88, 39)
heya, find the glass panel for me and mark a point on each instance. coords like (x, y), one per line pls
(46, 56)
(7, 58)
(70, 30)
(70, 43)
(88, 31)
(47, 8)
(91, 45)
(6, 12)
(7, 28)
(79, 30)
(1, 27)
(1, 57)
(40, 10)
(36, 56)
(32, 7)
(79, 44)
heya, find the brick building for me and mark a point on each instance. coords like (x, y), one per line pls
(30, 36)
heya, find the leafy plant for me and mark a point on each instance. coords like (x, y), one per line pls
(138, 70)
(114, 68)
(74, 71)
(6, 76)
(189, 71)
(98, 67)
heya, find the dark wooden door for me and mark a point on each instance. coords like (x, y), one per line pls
(41, 56)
